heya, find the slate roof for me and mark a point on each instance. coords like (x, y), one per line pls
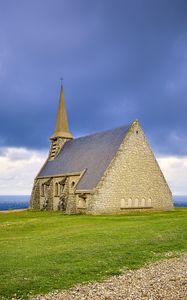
(93, 153)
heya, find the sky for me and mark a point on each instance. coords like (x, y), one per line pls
(120, 60)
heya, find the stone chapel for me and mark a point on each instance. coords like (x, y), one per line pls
(108, 172)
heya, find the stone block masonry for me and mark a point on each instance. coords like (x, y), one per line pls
(133, 180)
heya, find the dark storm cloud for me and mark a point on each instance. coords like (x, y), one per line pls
(121, 60)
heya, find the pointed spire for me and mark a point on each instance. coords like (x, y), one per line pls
(61, 128)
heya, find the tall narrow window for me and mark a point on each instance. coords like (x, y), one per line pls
(139, 202)
(42, 190)
(130, 202)
(149, 204)
(56, 189)
(135, 203)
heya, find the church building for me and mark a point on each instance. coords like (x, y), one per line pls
(108, 172)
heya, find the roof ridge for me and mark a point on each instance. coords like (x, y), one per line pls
(101, 132)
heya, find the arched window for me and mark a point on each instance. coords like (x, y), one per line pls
(143, 202)
(42, 190)
(56, 189)
(122, 203)
(149, 202)
(130, 202)
(136, 202)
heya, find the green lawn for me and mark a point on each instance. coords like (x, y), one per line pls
(43, 251)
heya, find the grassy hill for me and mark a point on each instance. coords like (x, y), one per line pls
(43, 251)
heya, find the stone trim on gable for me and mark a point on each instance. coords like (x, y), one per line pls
(60, 175)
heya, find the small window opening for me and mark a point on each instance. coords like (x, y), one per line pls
(73, 183)
(137, 131)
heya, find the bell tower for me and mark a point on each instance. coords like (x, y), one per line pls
(61, 133)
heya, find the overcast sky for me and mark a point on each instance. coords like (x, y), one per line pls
(120, 60)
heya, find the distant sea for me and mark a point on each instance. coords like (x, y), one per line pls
(17, 202)
(14, 202)
(180, 201)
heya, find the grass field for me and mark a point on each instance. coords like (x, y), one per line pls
(43, 251)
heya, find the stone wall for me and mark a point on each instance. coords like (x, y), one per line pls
(60, 193)
(35, 196)
(57, 193)
(133, 180)
(83, 201)
(41, 194)
(71, 207)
